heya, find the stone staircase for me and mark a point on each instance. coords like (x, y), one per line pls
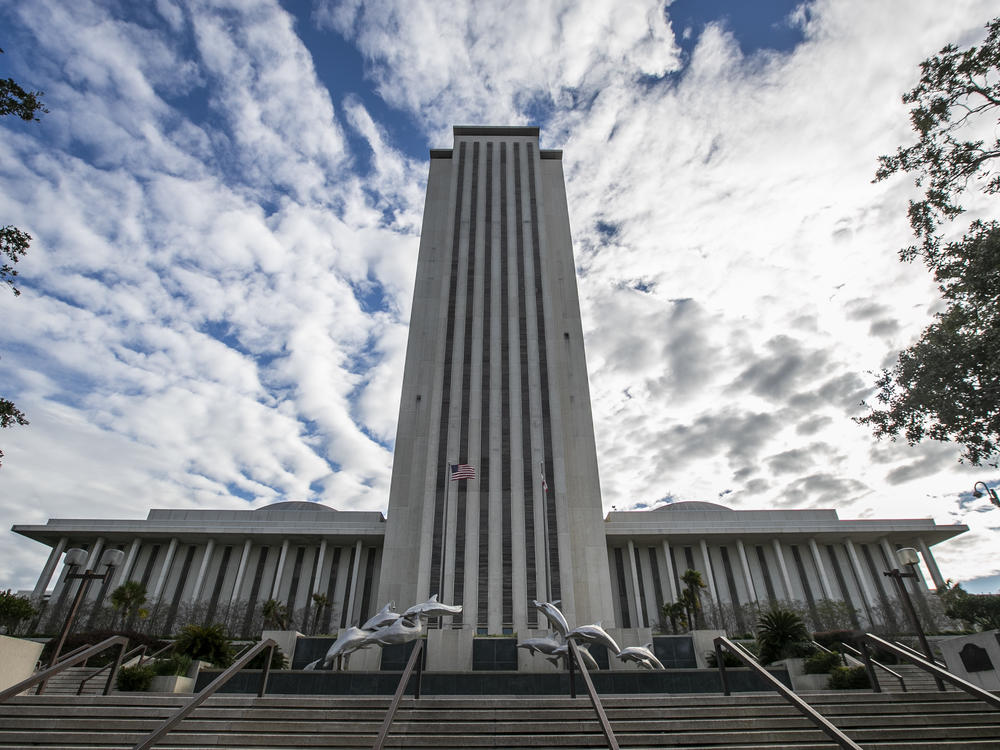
(68, 681)
(749, 721)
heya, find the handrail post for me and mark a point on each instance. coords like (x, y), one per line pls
(113, 672)
(867, 658)
(720, 662)
(404, 679)
(420, 671)
(266, 673)
(609, 735)
(571, 662)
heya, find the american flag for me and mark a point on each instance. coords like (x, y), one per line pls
(462, 471)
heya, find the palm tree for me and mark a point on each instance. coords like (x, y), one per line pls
(782, 633)
(321, 601)
(275, 615)
(694, 582)
(127, 600)
(677, 614)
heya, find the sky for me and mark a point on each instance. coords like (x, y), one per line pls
(225, 202)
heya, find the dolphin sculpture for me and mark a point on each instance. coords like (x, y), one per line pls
(385, 616)
(432, 608)
(553, 615)
(401, 630)
(349, 641)
(641, 655)
(594, 634)
(588, 659)
(544, 645)
(558, 656)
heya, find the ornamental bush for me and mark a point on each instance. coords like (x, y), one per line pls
(848, 678)
(822, 662)
(135, 679)
(205, 642)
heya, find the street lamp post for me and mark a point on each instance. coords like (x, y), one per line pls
(76, 558)
(992, 493)
(907, 557)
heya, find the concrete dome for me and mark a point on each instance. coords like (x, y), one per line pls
(298, 505)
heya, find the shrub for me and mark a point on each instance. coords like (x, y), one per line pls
(205, 642)
(177, 664)
(728, 659)
(848, 678)
(135, 679)
(781, 633)
(822, 662)
(278, 660)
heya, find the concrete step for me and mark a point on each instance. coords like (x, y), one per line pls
(756, 721)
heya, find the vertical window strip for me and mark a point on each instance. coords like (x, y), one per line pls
(640, 595)
(254, 591)
(462, 490)
(347, 590)
(331, 590)
(366, 590)
(486, 415)
(806, 588)
(845, 593)
(657, 587)
(442, 452)
(168, 626)
(293, 587)
(527, 465)
(220, 578)
(768, 583)
(734, 596)
(506, 551)
(543, 368)
(622, 592)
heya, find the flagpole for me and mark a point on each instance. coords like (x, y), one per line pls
(545, 531)
(444, 533)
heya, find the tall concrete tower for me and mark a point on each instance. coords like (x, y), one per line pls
(496, 379)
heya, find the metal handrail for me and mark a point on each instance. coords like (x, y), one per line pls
(155, 654)
(414, 661)
(39, 678)
(130, 655)
(922, 663)
(160, 732)
(595, 700)
(804, 708)
(74, 652)
(858, 655)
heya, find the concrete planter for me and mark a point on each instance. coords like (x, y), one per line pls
(802, 682)
(172, 684)
(17, 660)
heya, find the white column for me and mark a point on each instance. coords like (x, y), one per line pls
(637, 599)
(668, 558)
(931, 564)
(863, 578)
(240, 572)
(751, 589)
(133, 552)
(164, 570)
(49, 569)
(279, 570)
(708, 572)
(824, 579)
(785, 579)
(200, 580)
(318, 568)
(354, 583)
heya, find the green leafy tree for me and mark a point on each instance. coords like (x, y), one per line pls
(947, 385)
(127, 600)
(14, 242)
(14, 609)
(978, 610)
(205, 642)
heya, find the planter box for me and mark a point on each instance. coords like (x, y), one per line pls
(802, 681)
(172, 684)
(17, 660)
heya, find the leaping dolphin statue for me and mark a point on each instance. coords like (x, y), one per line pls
(545, 645)
(594, 634)
(349, 641)
(553, 615)
(399, 631)
(386, 616)
(432, 608)
(641, 655)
